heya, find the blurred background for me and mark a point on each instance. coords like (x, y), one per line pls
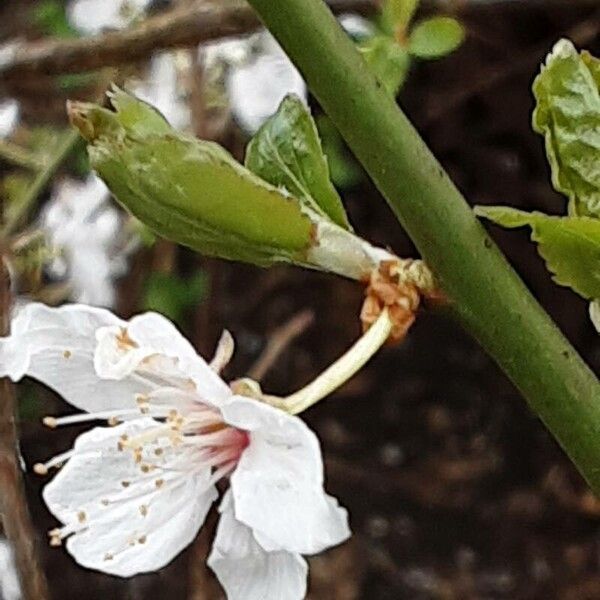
(455, 490)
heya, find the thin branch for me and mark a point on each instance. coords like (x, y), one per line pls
(279, 340)
(41, 180)
(15, 155)
(185, 27)
(484, 292)
(13, 502)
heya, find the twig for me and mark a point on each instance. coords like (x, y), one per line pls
(15, 155)
(13, 502)
(178, 28)
(41, 180)
(279, 340)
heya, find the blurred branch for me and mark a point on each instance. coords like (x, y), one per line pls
(15, 155)
(13, 502)
(279, 340)
(201, 22)
(41, 180)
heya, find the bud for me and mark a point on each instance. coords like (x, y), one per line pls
(194, 193)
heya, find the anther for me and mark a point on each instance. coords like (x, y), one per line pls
(81, 516)
(40, 469)
(50, 422)
(67, 354)
(143, 510)
(159, 483)
(142, 539)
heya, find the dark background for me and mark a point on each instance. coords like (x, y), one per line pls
(455, 489)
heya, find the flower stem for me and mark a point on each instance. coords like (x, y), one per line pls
(342, 369)
(486, 294)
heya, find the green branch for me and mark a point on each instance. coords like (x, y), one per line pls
(486, 294)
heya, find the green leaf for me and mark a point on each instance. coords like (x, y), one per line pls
(569, 245)
(286, 151)
(397, 14)
(50, 17)
(173, 296)
(388, 60)
(435, 37)
(567, 114)
(344, 170)
(190, 191)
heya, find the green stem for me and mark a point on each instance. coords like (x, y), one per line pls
(486, 294)
(41, 180)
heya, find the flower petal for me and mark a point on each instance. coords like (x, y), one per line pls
(278, 483)
(246, 571)
(124, 520)
(121, 351)
(56, 346)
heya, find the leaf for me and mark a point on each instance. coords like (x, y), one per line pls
(172, 295)
(50, 17)
(569, 245)
(397, 14)
(190, 191)
(345, 172)
(435, 37)
(286, 151)
(388, 60)
(567, 114)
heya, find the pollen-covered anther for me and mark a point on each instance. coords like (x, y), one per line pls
(50, 422)
(159, 483)
(81, 516)
(40, 469)
(142, 539)
(55, 537)
(143, 510)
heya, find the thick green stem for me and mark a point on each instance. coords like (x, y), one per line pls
(486, 294)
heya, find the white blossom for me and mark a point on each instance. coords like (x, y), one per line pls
(9, 116)
(93, 16)
(131, 496)
(9, 581)
(87, 233)
(163, 89)
(257, 76)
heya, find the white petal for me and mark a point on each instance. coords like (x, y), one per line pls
(278, 483)
(56, 346)
(153, 334)
(595, 314)
(133, 529)
(246, 571)
(9, 116)
(10, 589)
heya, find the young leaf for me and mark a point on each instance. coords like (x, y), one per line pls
(567, 114)
(569, 245)
(388, 60)
(172, 295)
(286, 151)
(187, 190)
(397, 14)
(435, 37)
(345, 172)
